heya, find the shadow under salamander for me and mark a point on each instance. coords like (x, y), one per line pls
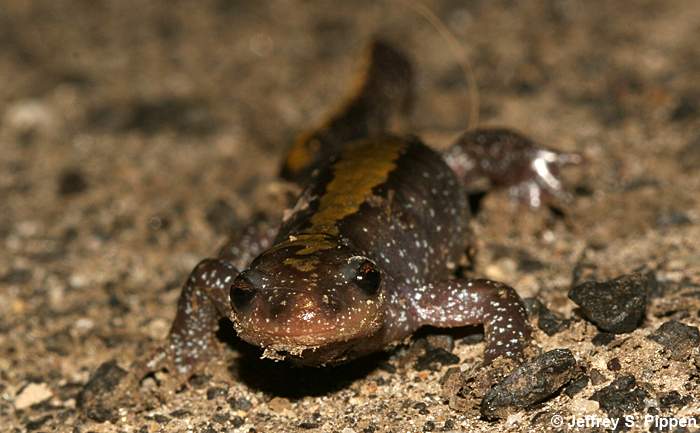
(283, 379)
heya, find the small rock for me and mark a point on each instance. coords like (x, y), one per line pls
(547, 321)
(677, 338)
(673, 399)
(216, 391)
(71, 182)
(530, 383)
(434, 358)
(241, 403)
(97, 397)
(443, 341)
(614, 364)
(465, 390)
(687, 108)
(32, 394)
(180, 413)
(279, 404)
(577, 385)
(622, 397)
(617, 305)
(603, 339)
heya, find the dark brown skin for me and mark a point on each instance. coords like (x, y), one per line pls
(366, 255)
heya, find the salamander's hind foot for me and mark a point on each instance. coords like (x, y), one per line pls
(511, 160)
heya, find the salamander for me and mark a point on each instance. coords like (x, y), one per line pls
(367, 253)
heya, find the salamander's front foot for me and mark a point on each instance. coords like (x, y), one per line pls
(463, 302)
(511, 160)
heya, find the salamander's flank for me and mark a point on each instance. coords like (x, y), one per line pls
(364, 257)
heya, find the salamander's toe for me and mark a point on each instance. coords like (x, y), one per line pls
(544, 183)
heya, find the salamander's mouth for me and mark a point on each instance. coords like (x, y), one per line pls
(316, 356)
(295, 338)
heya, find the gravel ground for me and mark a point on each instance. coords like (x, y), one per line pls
(135, 135)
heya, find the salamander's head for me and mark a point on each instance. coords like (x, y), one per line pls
(311, 298)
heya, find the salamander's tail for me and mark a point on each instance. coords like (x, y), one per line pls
(382, 96)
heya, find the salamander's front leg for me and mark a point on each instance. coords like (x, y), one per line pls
(511, 160)
(191, 342)
(462, 302)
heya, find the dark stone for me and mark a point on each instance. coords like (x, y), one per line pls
(422, 408)
(161, 419)
(617, 305)
(547, 321)
(449, 425)
(576, 386)
(239, 403)
(673, 399)
(95, 398)
(622, 397)
(677, 338)
(16, 276)
(672, 218)
(237, 421)
(221, 417)
(532, 382)
(687, 108)
(603, 339)
(215, 392)
(200, 380)
(71, 182)
(429, 426)
(434, 358)
(306, 425)
(614, 365)
(180, 413)
(37, 423)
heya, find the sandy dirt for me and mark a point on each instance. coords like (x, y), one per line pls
(135, 135)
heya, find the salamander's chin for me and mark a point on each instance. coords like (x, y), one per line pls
(332, 353)
(311, 349)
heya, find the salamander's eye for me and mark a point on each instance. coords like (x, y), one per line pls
(242, 292)
(367, 277)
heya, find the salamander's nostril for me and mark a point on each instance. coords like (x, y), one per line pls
(241, 294)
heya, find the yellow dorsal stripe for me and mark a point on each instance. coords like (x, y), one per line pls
(363, 166)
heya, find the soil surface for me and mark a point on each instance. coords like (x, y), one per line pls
(135, 135)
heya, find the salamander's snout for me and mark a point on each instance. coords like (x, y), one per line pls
(294, 309)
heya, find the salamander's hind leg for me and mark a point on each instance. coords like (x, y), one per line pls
(462, 302)
(511, 160)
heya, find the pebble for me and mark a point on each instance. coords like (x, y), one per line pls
(95, 399)
(617, 305)
(547, 321)
(279, 404)
(434, 358)
(577, 385)
(530, 383)
(677, 338)
(622, 397)
(32, 394)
